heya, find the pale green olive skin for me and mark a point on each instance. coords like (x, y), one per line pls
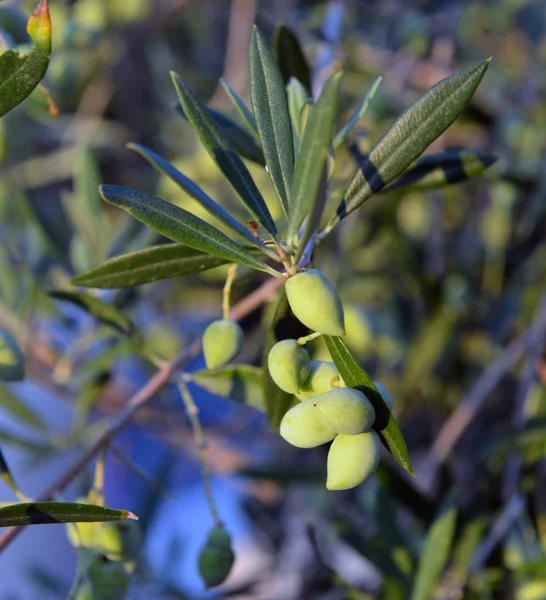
(315, 302)
(222, 342)
(216, 558)
(303, 426)
(385, 394)
(323, 377)
(346, 411)
(351, 459)
(288, 365)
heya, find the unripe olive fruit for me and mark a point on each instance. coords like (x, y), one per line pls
(288, 365)
(323, 376)
(351, 459)
(222, 342)
(315, 302)
(304, 427)
(346, 411)
(216, 557)
(385, 394)
(109, 579)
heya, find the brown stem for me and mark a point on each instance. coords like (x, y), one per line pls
(162, 377)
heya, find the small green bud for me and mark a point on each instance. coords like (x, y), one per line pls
(322, 378)
(315, 302)
(385, 394)
(216, 557)
(346, 411)
(303, 426)
(109, 579)
(222, 342)
(351, 459)
(288, 365)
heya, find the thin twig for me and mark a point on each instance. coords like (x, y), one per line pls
(261, 295)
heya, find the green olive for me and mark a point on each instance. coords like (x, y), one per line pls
(109, 579)
(303, 426)
(315, 302)
(385, 394)
(288, 365)
(216, 557)
(351, 459)
(323, 377)
(346, 411)
(222, 342)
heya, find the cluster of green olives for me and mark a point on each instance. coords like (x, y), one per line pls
(328, 411)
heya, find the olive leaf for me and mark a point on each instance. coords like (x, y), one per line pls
(7, 477)
(355, 377)
(297, 97)
(20, 74)
(438, 170)
(358, 114)
(181, 226)
(18, 409)
(244, 112)
(41, 513)
(223, 154)
(290, 56)
(436, 551)
(151, 264)
(191, 188)
(428, 117)
(270, 106)
(12, 360)
(311, 158)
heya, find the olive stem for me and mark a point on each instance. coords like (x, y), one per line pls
(312, 336)
(232, 271)
(193, 415)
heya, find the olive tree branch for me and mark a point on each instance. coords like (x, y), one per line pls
(167, 371)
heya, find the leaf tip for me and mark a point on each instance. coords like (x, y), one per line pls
(39, 24)
(131, 515)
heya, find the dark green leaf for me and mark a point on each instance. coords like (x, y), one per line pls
(282, 325)
(243, 142)
(243, 110)
(355, 377)
(181, 226)
(12, 361)
(18, 409)
(194, 191)
(19, 75)
(311, 158)
(438, 170)
(40, 513)
(6, 476)
(143, 266)
(428, 117)
(270, 106)
(223, 154)
(290, 56)
(358, 114)
(104, 312)
(241, 383)
(436, 550)
(297, 97)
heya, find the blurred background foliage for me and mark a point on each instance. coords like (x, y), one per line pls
(444, 289)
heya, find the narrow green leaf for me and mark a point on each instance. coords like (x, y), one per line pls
(151, 264)
(181, 226)
(297, 97)
(7, 477)
(240, 383)
(18, 409)
(243, 110)
(358, 114)
(19, 75)
(12, 361)
(223, 154)
(281, 325)
(439, 170)
(428, 117)
(385, 423)
(103, 311)
(436, 550)
(312, 156)
(270, 106)
(41, 513)
(194, 191)
(290, 56)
